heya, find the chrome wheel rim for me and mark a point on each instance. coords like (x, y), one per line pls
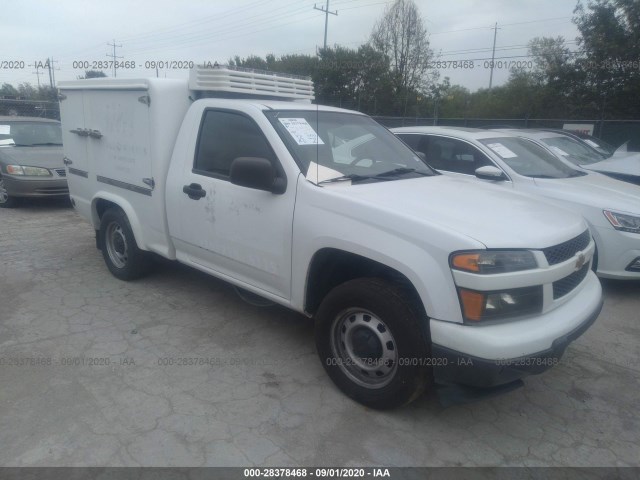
(4, 196)
(116, 244)
(364, 348)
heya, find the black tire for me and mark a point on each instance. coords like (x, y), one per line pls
(119, 248)
(390, 342)
(5, 200)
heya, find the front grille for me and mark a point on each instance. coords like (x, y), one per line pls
(564, 251)
(61, 172)
(568, 283)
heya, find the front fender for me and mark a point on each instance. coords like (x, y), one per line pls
(126, 207)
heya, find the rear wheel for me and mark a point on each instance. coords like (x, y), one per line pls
(5, 200)
(119, 248)
(371, 344)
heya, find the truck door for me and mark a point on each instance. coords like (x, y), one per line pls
(239, 232)
(75, 142)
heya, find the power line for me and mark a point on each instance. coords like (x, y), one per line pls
(192, 23)
(367, 5)
(505, 47)
(503, 24)
(534, 21)
(195, 37)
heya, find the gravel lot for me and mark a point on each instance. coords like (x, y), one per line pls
(86, 376)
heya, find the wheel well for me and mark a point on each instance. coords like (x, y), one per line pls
(102, 206)
(331, 267)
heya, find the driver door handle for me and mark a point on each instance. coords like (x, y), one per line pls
(194, 191)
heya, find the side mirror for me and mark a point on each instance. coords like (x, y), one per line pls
(257, 173)
(489, 172)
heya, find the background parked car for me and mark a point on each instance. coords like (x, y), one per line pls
(31, 159)
(611, 207)
(603, 148)
(623, 166)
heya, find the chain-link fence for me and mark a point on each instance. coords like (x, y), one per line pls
(615, 132)
(29, 108)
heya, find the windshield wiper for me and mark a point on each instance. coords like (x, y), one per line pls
(401, 171)
(44, 143)
(378, 176)
(343, 178)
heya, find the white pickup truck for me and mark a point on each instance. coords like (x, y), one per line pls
(413, 278)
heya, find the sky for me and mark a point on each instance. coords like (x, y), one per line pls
(75, 33)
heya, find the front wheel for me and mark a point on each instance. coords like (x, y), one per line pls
(371, 344)
(5, 200)
(119, 248)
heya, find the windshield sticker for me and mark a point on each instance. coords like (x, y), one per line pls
(501, 150)
(558, 151)
(7, 141)
(301, 131)
(5, 129)
(586, 140)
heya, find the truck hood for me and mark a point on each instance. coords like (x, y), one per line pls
(489, 214)
(44, 156)
(626, 165)
(594, 190)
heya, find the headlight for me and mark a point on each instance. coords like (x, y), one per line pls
(28, 171)
(622, 222)
(493, 261)
(482, 306)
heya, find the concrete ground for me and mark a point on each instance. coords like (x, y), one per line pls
(89, 376)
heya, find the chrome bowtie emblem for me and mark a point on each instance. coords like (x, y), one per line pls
(580, 261)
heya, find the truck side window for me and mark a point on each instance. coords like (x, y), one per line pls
(225, 136)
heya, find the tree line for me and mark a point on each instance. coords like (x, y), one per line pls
(393, 73)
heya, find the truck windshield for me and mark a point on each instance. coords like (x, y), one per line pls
(528, 159)
(335, 146)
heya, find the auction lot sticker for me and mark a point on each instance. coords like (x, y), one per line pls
(301, 131)
(501, 150)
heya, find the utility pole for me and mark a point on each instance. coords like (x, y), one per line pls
(48, 65)
(37, 73)
(113, 56)
(53, 70)
(493, 54)
(326, 19)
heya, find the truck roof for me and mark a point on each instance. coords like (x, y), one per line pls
(214, 81)
(170, 84)
(284, 105)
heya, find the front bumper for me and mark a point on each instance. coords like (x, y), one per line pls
(616, 251)
(35, 186)
(492, 355)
